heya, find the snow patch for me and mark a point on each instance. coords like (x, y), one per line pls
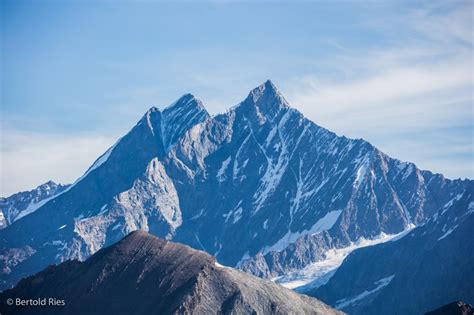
(199, 242)
(116, 226)
(447, 233)
(450, 203)
(148, 121)
(403, 234)
(323, 224)
(236, 167)
(380, 284)
(197, 215)
(237, 215)
(274, 172)
(221, 266)
(319, 273)
(470, 208)
(326, 222)
(361, 171)
(221, 173)
(103, 209)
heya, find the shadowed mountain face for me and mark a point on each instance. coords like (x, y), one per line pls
(428, 267)
(23, 203)
(454, 308)
(143, 274)
(259, 186)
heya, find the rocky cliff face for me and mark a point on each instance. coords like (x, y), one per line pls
(428, 267)
(143, 274)
(259, 186)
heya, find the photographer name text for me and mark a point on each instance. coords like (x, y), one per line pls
(36, 302)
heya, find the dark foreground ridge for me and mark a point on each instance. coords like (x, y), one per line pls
(143, 274)
(454, 308)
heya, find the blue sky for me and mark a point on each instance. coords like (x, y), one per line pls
(77, 75)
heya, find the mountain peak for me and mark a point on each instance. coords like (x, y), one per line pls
(269, 85)
(171, 122)
(265, 89)
(180, 116)
(152, 110)
(48, 183)
(266, 100)
(187, 101)
(136, 235)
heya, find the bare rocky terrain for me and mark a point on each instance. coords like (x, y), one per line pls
(143, 274)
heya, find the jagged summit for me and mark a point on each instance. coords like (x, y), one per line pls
(266, 86)
(50, 183)
(187, 101)
(170, 123)
(266, 97)
(179, 117)
(267, 91)
(266, 100)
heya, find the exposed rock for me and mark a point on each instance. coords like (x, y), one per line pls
(143, 274)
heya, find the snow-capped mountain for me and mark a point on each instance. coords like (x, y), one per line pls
(23, 203)
(259, 186)
(143, 274)
(417, 272)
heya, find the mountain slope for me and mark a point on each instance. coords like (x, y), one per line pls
(428, 267)
(81, 220)
(143, 274)
(23, 203)
(273, 179)
(259, 186)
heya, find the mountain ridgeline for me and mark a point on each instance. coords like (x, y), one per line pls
(259, 186)
(23, 203)
(143, 274)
